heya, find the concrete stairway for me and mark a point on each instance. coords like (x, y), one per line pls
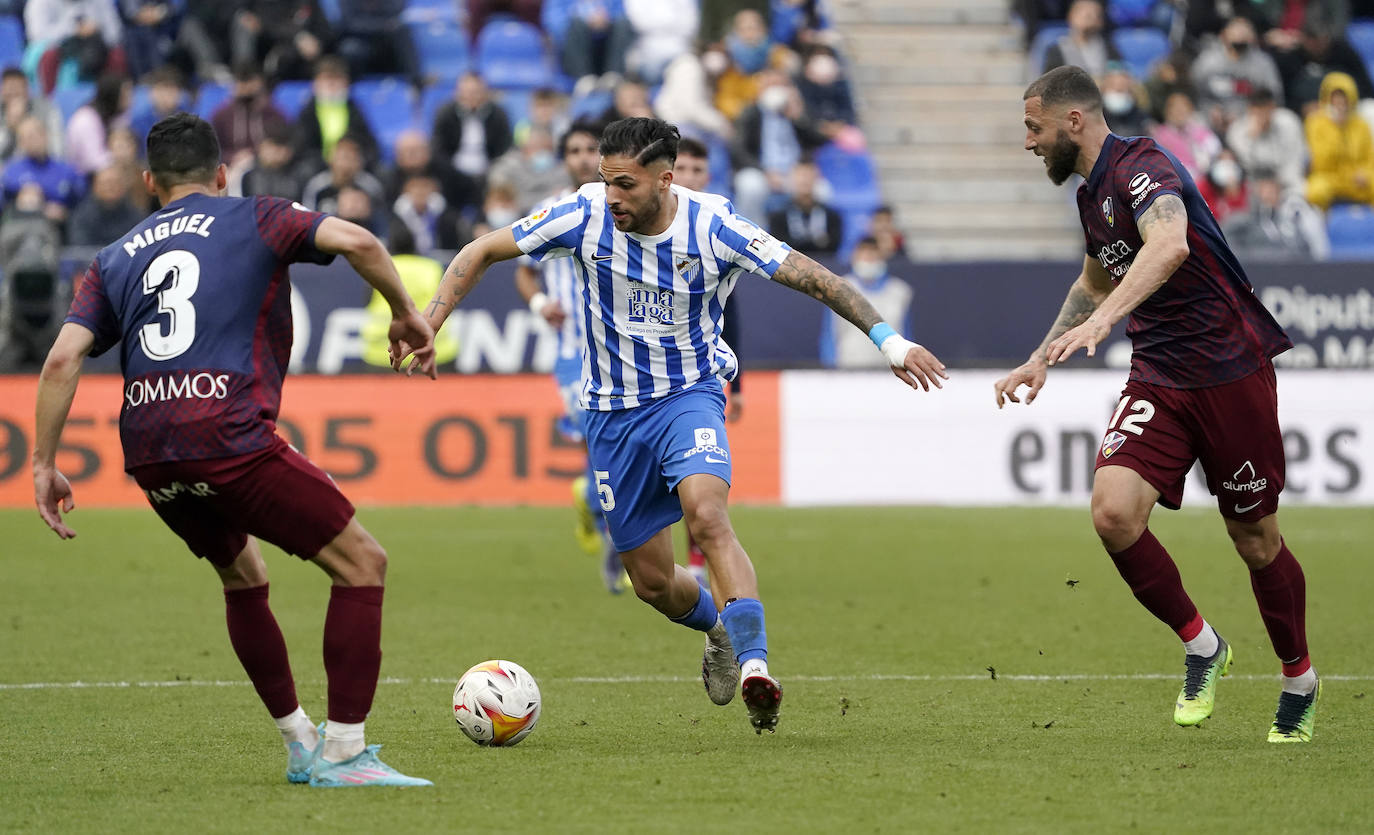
(939, 86)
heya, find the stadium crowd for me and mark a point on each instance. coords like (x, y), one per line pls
(1259, 99)
(427, 121)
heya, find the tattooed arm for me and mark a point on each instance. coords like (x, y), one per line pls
(466, 270)
(911, 363)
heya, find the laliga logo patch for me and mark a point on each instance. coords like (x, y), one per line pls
(528, 223)
(1107, 212)
(1112, 443)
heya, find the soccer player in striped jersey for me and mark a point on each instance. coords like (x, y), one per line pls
(657, 263)
(556, 297)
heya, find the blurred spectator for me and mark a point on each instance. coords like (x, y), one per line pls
(426, 215)
(1229, 69)
(692, 169)
(1283, 23)
(1184, 134)
(1204, 18)
(61, 185)
(1313, 54)
(150, 31)
(421, 277)
(357, 206)
(685, 99)
(499, 208)
(285, 37)
(597, 41)
(478, 12)
(1270, 137)
(374, 39)
(321, 192)
(631, 98)
(272, 171)
(15, 104)
(89, 127)
(72, 40)
(126, 154)
(824, 89)
(248, 117)
(328, 115)
(531, 170)
(810, 226)
(106, 213)
(414, 158)
(548, 110)
(664, 29)
(1085, 44)
(717, 16)
(1279, 225)
(1120, 105)
(166, 96)
(748, 44)
(1224, 188)
(201, 49)
(31, 299)
(845, 346)
(1169, 76)
(471, 130)
(1342, 149)
(882, 227)
(772, 136)
(735, 89)
(1034, 13)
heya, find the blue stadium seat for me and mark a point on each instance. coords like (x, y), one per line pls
(722, 172)
(853, 176)
(1140, 48)
(291, 96)
(331, 10)
(11, 41)
(68, 99)
(590, 105)
(442, 47)
(555, 17)
(854, 226)
(510, 54)
(1360, 33)
(1044, 39)
(432, 98)
(516, 102)
(389, 107)
(1131, 12)
(210, 97)
(1351, 229)
(429, 11)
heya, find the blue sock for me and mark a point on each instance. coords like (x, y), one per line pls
(703, 615)
(593, 499)
(743, 619)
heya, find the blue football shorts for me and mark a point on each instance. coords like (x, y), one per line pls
(567, 375)
(640, 455)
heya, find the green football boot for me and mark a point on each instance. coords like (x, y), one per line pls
(1199, 693)
(1295, 717)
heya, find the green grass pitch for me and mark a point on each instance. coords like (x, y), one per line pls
(883, 627)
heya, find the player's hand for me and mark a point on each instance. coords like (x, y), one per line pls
(554, 314)
(734, 410)
(411, 335)
(53, 495)
(1087, 335)
(921, 366)
(1032, 374)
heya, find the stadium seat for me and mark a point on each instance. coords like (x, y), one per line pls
(511, 55)
(718, 164)
(1351, 229)
(442, 47)
(1360, 33)
(430, 11)
(855, 226)
(590, 105)
(853, 176)
(555, 17)
(1131, 12)
(68, 99)
(11, 41)
(291, 96)
(1140, 48)
(210, 97)
(389, 107)
(1044, 39)
(432, 98)
(516, 103)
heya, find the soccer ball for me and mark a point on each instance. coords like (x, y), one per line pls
(496, 703)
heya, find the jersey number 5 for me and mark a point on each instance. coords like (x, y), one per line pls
(174, 277)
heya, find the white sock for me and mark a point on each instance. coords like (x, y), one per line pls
(296, 727)
(1303, 684)
(754, 666)
(1205, 644)
(342, 741)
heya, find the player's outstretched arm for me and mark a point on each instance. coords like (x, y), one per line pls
(530, 287)
(912, 363)
(369, 257)
(1092, 287)
(1164, 230)
(56, 388)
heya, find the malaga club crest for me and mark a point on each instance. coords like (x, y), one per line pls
(1112, 443)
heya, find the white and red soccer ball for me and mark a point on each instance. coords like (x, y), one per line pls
(496, 703)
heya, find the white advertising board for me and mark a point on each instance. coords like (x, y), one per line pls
(863, 438)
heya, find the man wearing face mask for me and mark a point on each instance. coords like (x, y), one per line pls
(1269, 136)
(328, 115)
(1085, 45)
(1229, 69)
(247, 118)
(889, 295)
(824, 89)
(1342, 149)
(1120, 106)
(1224, 188)
(771, 137)
(532, 170)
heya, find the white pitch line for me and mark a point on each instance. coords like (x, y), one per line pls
(93, 685)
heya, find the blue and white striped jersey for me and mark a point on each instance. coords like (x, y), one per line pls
(651, 304)
(563, 284)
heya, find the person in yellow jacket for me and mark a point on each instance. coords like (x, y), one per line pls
(1341, 147)
(421, 277)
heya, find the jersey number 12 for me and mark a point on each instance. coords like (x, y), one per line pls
(174, 277)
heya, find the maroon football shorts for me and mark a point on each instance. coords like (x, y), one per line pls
(274, 493)
(1233, 429)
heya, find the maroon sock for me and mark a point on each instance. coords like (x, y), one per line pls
(352, 650)
(257, 640)
(1281, 591)
(1150, 572)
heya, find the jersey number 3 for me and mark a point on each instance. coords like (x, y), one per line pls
(174, 277)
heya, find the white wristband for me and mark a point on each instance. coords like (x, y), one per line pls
(537, 302)
(895, 348)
